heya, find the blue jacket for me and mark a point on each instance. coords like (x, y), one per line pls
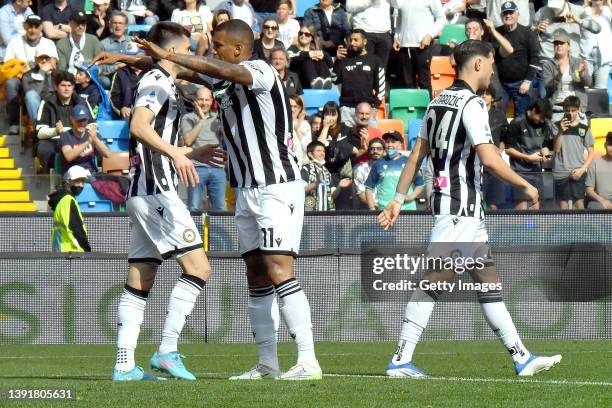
(336, 32)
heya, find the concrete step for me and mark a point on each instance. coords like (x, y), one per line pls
(4, 152)
(7, 163)
(12, 185)
(11, 174)
(14, 196)
(16, 207)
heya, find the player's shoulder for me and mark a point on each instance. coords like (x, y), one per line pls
(261, 66)
(154, 78)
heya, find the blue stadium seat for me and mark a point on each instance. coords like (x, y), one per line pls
(138, 28)
(115, 133)
(303, 5)
(610, 88)
(90, 201)
(314, 99)
(414, 127)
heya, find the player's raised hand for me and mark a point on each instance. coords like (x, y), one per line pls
(105, 58)
(389, 215)
(185, 169)
(210, 154)
(152, 50)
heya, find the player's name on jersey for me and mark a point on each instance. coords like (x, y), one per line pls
(449, 99)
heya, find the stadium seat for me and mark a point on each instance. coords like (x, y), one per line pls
(118, 164)
(136, 29)
(454, 33)
(442, 74)
(90, 201)
(390, 125)
(600, 128)
(406, 104)
(115, 133)
(303, 5)
(414, 128)
(314, 99)
(381, 112)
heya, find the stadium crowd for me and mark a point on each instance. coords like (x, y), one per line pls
(553, 59)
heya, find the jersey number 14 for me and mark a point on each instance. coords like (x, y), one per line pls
(439, 131)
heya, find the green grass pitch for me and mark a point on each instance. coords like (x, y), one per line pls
(463, 374)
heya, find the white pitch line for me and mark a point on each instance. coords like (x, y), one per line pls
(468, 379)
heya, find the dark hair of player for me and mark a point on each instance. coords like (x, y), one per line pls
(167, 33)
(469, 49)
(237, 31)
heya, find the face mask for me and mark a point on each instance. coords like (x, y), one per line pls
(392, 152)
(319, 162)
(76, 190)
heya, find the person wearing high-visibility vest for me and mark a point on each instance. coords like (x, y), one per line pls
(69, 233)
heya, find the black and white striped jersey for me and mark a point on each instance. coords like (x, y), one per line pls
(150, 171)
(454, 124)
(257, 125)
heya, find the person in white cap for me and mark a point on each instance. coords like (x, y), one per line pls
(69, 233)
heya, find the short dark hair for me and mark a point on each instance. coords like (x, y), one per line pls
(359, 31)
(119, 13)
(165, 33)
(376, 140)
(238, 30)
(571, 102)
(475, 20)
(542, 106)
(313, 145)
(61, 76)
(465, 51)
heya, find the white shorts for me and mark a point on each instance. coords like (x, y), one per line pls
(160, 226)
(270, 218)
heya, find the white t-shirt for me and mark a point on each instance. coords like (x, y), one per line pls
(20, 49)
(244, 13)
(194, 21)
(288, 32)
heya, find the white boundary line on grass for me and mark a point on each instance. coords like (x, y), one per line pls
(469, 379)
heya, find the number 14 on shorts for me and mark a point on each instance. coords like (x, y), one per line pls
(268, 238)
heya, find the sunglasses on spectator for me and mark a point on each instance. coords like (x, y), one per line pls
(305, 33)
(268, 27)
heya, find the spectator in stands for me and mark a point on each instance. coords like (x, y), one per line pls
(340, 149)
(240, 10)
(362, 131)
(12, 17)
(301, 130)
(263, 46)
(118, 41)
(420, 22)
(98, 23)
(25, 48)
(321, 191)
(373, 17)
(79, 46)
(476, 9)
(385, 175)
(598, 47)
(528, 142)
(599, 179)
(565, 75)
(86, 89)
(571, 19)
(280, 60)
(81, 143)
(53, 116)
(376, 150)
(493, 188)
(288, 28)
(69, 233)
(518, 69)
(309, 62)
(199, 128)
(204, 44)
(331, 22)
(316, 123)
(570, 166)
(141, 11)
(196, 17)
(362, 76)
(453, 10)
(38, 83)
(122, 87)
(55, 17)
(493, 7)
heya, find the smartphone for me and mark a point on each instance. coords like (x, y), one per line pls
(558, 19)
(567, 117)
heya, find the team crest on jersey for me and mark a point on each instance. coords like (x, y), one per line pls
(582, 132)
(189, 235)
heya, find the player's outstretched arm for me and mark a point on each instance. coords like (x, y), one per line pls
(140, 128)
(389, 215)
(496, 165)
(210, 66)
(111, 58)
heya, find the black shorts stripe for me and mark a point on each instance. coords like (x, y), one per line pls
(180, 251)
(145, 260)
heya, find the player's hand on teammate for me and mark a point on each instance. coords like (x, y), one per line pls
(210, 154)
(153, 50)
(185, 169)
(389, 215)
